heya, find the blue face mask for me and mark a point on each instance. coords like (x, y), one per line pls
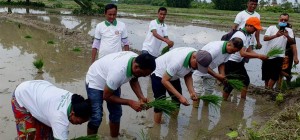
(282, 24)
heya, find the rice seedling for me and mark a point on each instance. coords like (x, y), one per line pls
(236, 84)
(165, 50)
(76, 49)
(28, 36)
(89, 137)
(50, 42)
(39, 63)
(279, 98)
(143, 135)
(294, 66)
(214, 99)
(167, 106)
(275, 51)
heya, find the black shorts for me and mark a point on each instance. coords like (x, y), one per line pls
(159, 90)
(235, 70)
(271, 68)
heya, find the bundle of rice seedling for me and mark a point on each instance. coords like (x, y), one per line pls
(214, 99)
(89, 137)
(236, 84)
(165, 49)
(76, 49)
(39, 63)
(167, 106)
(275, 51)
(294, 66)
(50, 42)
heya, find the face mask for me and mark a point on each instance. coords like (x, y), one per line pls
(282, 24)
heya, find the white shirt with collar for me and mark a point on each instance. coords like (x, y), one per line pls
(278, 42)
(110, 35)
(46, 103)
(112, 70)
(175, 63)
(242, 17)
(219, 55)
(248, 40)
(151, 43)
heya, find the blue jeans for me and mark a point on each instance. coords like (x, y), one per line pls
(96, 98)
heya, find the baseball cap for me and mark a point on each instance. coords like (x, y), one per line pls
(203, 60)
(254, 21)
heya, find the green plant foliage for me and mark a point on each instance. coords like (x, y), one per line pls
(236, 84)
(235, 5)
(164, 50)
(179, 3)
(76, 49)
(158, 3)
(39, 63)
(50, 42)
(232, 134)
(279, 98)
(89, 137)
(275, 52)
(214, 99)
(19, 3)
(167, 106)
(28, 36)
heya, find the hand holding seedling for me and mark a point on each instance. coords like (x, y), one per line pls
(184, 101)
(194, 97)
(137, 106)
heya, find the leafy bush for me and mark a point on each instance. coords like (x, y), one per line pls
(158, 2)
(19, 3)
(179, 3)
(202, 5)
(278, 9)
(235, 5)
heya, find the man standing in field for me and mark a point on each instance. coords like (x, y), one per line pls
(109, 34)
(242, 17)
(104, 80)
(277, 36)
(157, 34)
(235, 66)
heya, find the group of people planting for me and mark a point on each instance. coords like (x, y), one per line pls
(47, 110)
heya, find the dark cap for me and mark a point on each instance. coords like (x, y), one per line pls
(203, 60)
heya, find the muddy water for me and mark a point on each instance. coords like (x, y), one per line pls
(66, 69)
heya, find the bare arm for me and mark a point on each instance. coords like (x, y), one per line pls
(216, 75)
(235, 26)
(257, 33)
(110, 97)
(164, 39)
(94, 54)
(126, 48)
(268, 38)
(135, 85)
(166, 82)
(249, 53)
(295, 53)
(189, 84)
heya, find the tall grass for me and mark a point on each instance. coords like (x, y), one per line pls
(275, 52)
(167, 106)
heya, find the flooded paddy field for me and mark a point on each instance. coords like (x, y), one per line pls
(66, 68)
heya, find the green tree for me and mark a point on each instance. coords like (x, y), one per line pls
(179, 3)
(235, 5)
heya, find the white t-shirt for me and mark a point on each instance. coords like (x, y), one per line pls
(112, 70)
(248, 41)
(278, 42)
(46, 103)
(174, 62)
(151, 43)
(219, 55)
(110, 35)
(242, 17)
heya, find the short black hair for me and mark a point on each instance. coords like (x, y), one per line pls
(81, 107)
(110, 6)
(237, 42)
(146, 62)
(284, 14)
(253, 1)
(162, 9)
